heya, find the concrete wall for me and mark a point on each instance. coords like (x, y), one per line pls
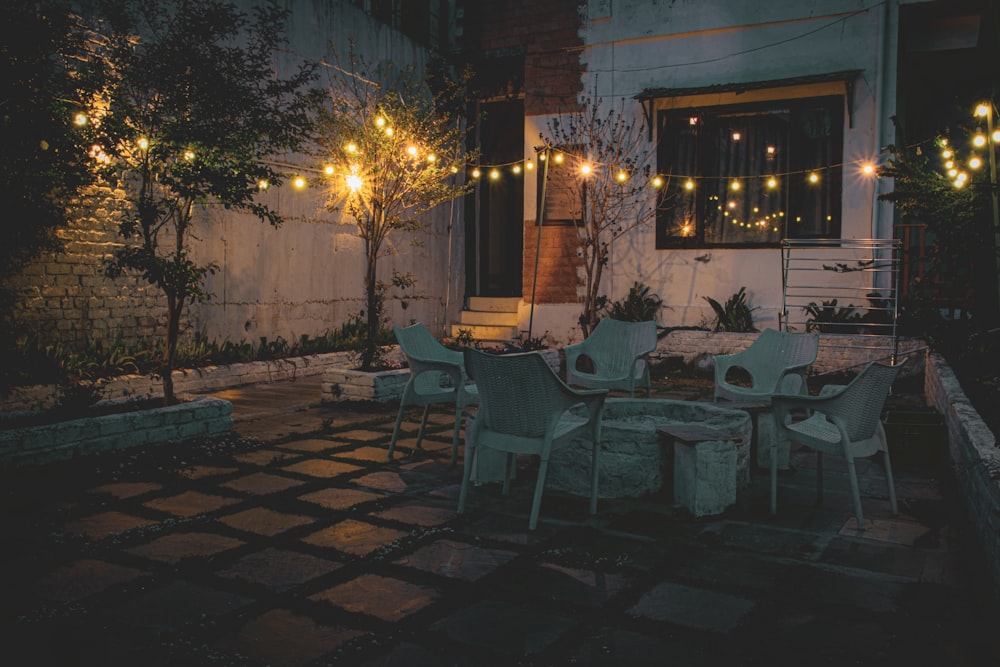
(636, 45)
(302, 278)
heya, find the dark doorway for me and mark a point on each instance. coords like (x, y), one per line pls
(497, 227)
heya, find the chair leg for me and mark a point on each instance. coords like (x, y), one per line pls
(536, 502)
(454, 439)
(774, 475)
(395, 430)
(890, 481)
(508, 467)
(594, 467)
(423, 425)
(466, 473)
(852, 476)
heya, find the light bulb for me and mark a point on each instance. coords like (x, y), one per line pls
(476, 173)
(80, 119)
(689, 185)
(735, 185)
(494, 174)
(975, 162)
(979, 141)
(354, 182)
(585, 169)
(657, 181)
(982, 110)
(814, 177)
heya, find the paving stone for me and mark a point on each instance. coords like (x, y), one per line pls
(895, 531)
(99, 526)
(202, 472)
(373, 454)
(265, 521)
(382, 481)
(692, 607)
(871, 556)
(178, 546)
(176, 604)
(576, 586)
(339, 499)
(505, 628)
(123, 490)
(190, 503)
(310, 445)
(261, 484)
(354, 537)
(418, 514)
(383, 597)
(321, 468)
(279, 569)
(358, 435)
(263, 457)
(282, 638)
(457, 560)
(83, 578)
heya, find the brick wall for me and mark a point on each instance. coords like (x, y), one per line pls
(64, 297)
(558, 277)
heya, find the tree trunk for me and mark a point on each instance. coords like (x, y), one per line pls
(372, 312)
(174, 307)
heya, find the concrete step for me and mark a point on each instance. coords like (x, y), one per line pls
(487, 318)
(495, 304)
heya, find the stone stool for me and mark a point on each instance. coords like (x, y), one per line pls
(704, 468)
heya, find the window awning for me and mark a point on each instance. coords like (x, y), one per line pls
(647, 96)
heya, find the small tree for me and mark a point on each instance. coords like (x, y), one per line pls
(392, 150)
(189, 113)
(609, 193)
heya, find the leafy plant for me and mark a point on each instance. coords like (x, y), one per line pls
(188, 112)
(736, 315)
(524, 343)
(464, 337)
(640, 305)
(393, 152)
(829, 318)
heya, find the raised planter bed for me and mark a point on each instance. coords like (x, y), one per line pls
(33, 445)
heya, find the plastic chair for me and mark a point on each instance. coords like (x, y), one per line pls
(776, 361)
(620, 355)
(437, 375)
(522, 411)
(844, 421)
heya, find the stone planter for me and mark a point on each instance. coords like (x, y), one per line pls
(349, 384)
(204, 416)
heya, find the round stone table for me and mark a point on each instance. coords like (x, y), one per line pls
(634, 459)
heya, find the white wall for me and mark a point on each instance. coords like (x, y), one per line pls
(634, 45)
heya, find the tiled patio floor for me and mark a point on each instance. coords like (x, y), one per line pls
(301, 545)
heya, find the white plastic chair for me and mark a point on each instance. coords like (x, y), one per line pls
(776, 361)
(522, 411)
(844, 421)
(620, 355)
(437, 375)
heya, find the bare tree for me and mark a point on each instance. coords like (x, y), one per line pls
(610, 189)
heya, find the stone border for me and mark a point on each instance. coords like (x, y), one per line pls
(974, 458)
(202, 416)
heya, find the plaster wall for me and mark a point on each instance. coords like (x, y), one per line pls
(634, 45)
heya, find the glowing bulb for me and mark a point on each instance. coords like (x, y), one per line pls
(771, 150)
(354, 182)
(814, 177)
(541, 158)
(982, 110)
(454, 170)
(80, 119)
(622, 176)
(476, 173)
(731, 204)
(432, 158)
(868, 168)
(412, 150)
(737, 136)
(657, 181)
(979, 141)
(772, 182)
(388, 131)
(693, 120)
(352, 148)
(529, 165)
(686, 229)
(380, 122)
(189, 155)
(262, 184)
(689, 185)
(735, 185)
(585, 170)
(494, 174)
(516, 169)
(144, 143)
(559, 158)
(328, 170)
(947, 153)
(996, 136)
(299, 182)
(949, 164)
(953, 172)
(975, 163)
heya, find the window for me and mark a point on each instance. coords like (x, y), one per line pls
(750, 175)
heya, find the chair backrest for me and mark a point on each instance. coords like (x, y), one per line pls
(416, 342)
(774, 351)
(615, 344)
(859, 406)
(519, 394)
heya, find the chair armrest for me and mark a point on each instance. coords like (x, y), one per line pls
(574, 352)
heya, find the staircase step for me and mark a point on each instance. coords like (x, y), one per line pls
(487, 318)
(495, 304)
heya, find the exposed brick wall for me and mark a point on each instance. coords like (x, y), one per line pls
(64, 297)
(547, 33)
(558, 277)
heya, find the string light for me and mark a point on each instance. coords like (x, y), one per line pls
(813, 177)
(328, 170)
(262, 184)
(476, 173)
(299, 182)
(80, 119)
(622, 176)
(494, 174)
(689, 184)
(975, 162)
(585, 169)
